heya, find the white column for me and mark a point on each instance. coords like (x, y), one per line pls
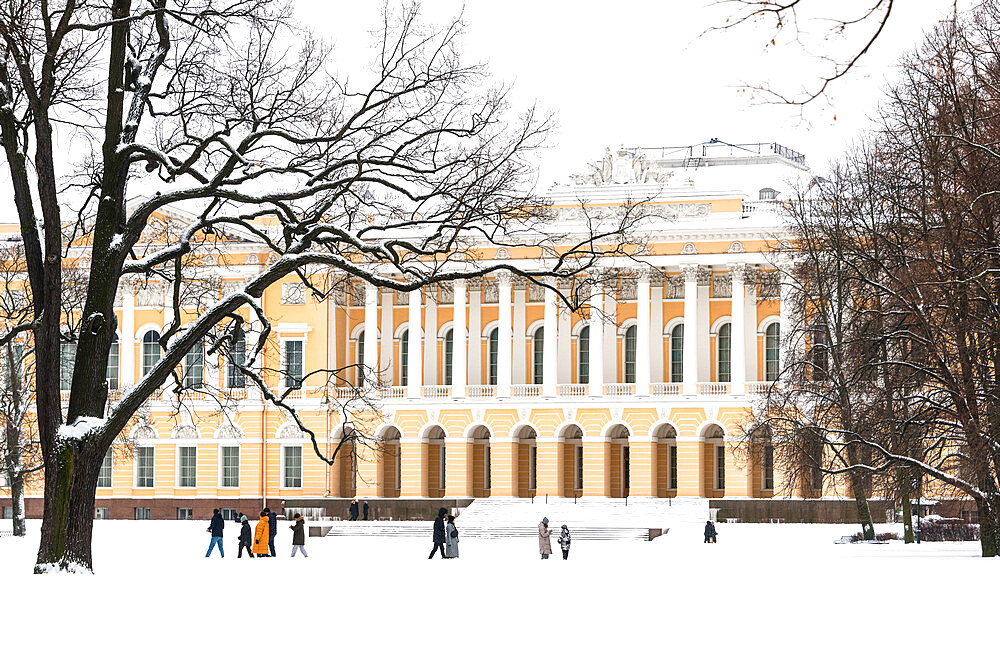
(611, 336)
(431, 338)
(642, 361)
(475, 332)
(458, 341)
(704, 347)
(518, 357)
(690, 384)
(414, 354)
(656, 329)
(565, 365)
(126, 345)
(505, 349)
(550, 346)
(737, 337)
(750, 338)
(370, 357)
(596, 339)
(388, 329)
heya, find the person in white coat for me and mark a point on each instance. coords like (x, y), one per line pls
(544, 545)
(450, 539)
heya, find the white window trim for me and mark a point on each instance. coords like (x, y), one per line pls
(239, 467)
(177, 465)
(302, 461)
(135, 468)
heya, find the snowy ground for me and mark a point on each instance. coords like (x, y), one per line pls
(774, 591)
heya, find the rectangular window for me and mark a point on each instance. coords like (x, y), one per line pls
(449, 349)
(143, 468)
(228, 514)
(194, 366)
(538, 357)
(235, 378)
(579, 468)
(187, 467)
(441, 476)
(404, 358)
(112, 375)
(292, 466)
(230, 467)
(672, 467)
(8, 513)
(67, 356)
(142, 513)
(293, 363)
(583, 356)
(768, 467)
(104, 476)
(626, 468)
(533, 467)
(493, 355)
(720, 468)
(101, 513)
(185, 514)
(488, 477)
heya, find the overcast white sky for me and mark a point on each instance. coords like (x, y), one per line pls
(636, 73)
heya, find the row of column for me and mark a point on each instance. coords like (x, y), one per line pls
(649, 352)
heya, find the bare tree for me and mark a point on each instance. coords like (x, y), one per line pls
(397, 177)
(920, 243)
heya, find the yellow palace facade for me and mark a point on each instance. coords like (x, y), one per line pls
(487, 387)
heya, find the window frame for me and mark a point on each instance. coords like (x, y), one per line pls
(493, 356)
(724, 353)
(676, 346)
(67, 363)
(720, 467)
(194, 366)
(149, 349)
(286, 466)
(140, 457)
(113, 373)
(772, 351)
(583, 356)
(107, 463)
(288, 378)
(449, 356)
(223, 476)
(631, 334)
(182, 482)
(538, 356)
(236, 379)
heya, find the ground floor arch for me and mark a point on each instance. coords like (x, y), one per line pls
(618, 460)
(482, 483)
(525, 460)
(666, 459)
(716, 460)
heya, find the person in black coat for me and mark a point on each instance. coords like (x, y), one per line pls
(215, 529)
(354, 510)
(246, 537)
(710, 533)
(272, 529)
(439, 533)
(365, 509)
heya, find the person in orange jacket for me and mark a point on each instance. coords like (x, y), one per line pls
(261, 538)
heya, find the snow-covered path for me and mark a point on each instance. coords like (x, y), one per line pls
(774, 591)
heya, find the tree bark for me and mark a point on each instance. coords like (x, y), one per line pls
(68, 520)
(989, 525)
(907, 517)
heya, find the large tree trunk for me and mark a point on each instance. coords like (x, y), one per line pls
(68, 521)
(907, 517)
(860, 498)
(989, 525)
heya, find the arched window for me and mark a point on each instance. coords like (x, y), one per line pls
(494, 351)
(628, 351)
(449, 349)
(772, 341)
(194, 366)
(583, 356)
(724, 344)
(150, 350)
(235, 378)
(112, 373)
(677, 354)
(404, 357)
(538, 356)
(361, 358)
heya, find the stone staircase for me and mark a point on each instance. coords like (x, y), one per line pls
(588, 519)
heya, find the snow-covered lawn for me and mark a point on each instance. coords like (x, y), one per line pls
(774, 591)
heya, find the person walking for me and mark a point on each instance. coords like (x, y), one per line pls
(354, 510)
(710, 534)
(261, 536)
(272, 530)
(451, 539)
(439, 535)
(365, 509)
(544, 545)
(245, 538)
(215, 529)
(299, 535)
(564, 541)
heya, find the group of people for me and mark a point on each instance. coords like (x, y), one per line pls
(545, 544)
(353, 510)
(260, 543)
(711, 536)
(445, 535)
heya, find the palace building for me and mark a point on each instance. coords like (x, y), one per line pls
(488, 387)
